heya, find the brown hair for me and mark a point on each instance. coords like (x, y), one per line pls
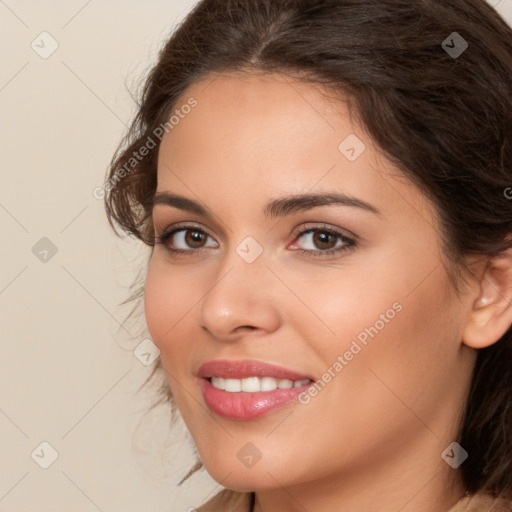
(445, 120)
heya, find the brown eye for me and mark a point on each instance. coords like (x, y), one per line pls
(188, 239)
(323, 242)
(194, 239)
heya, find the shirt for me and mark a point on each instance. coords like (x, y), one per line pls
(241, 501)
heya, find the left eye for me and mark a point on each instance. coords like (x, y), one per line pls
(325, 241)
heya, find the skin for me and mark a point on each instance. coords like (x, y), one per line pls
(378, 428)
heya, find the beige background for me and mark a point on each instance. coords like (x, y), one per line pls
(69, 371)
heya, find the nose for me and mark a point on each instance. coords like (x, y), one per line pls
(242, 299)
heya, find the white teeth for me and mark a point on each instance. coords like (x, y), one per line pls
(233, 385)
(268, 384)
(218, 382)
(285, 384)
(251, 384)
(255, 384)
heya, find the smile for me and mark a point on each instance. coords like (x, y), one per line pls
(246, 390)
(255, 384)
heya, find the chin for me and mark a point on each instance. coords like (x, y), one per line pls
(245, 484)
(232, 475)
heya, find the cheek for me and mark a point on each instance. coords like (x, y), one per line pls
(155, 299)
(408, 345)
(172, 302)
(165, 303)
(342, 305)
(388, 317)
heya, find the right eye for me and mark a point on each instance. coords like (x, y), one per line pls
(191, 239)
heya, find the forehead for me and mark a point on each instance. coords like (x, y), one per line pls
(263, 135)
(258, 106)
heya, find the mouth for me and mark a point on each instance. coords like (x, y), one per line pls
(246, 390)
(239, 370)
(255, 384)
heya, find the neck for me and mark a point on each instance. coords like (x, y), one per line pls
(406, 483)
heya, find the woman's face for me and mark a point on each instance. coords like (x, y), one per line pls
(350, 293)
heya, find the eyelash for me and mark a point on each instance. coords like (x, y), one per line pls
(348, 243)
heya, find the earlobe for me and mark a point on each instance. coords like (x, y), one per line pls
(491, 313)
(482, 301)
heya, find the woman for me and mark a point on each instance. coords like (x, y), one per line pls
(325, 188)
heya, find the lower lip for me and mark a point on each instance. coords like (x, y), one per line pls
(247, 406)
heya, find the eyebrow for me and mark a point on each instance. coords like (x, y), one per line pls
(274, 208)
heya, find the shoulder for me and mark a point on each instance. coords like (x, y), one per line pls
(480, 502)
(228, 501)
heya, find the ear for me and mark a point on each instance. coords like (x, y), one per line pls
(491, 313)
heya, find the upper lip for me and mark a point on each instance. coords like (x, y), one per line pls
(243, 369)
